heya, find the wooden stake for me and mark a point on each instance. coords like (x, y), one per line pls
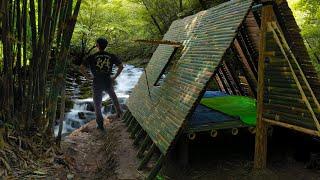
(147, 158)
(139, 136)
(132, 124)
(129, 120)
(125, 116)
(144, 146)
(135, 130)
(260, 157)
(157, 168)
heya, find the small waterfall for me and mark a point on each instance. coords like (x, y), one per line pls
(83, 109)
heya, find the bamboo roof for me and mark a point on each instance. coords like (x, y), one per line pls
(211, 41)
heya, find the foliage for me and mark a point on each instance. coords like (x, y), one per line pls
(29, 32)
(307, 13)
(123, 21)
(120, 21)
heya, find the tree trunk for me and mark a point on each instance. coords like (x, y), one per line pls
(154, 20)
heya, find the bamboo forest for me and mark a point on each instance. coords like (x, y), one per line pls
(160, 89)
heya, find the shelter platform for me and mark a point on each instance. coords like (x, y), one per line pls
(218, 110)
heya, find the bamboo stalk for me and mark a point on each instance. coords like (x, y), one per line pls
(135, 130)
(293, 127)
(132, 124)
(129, 121)
(157, 168)
(125, 116)
(144, 146)
(148, 156)
(62, 112)
(139, 136)
(260, 157)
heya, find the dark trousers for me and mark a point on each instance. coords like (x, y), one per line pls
(98, 88)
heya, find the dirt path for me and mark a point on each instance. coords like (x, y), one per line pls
(92, 154)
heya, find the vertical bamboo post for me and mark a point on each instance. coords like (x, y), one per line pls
(260, 157)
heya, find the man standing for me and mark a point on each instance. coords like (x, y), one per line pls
(101, 66)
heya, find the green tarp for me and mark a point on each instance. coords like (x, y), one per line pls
(241, 106)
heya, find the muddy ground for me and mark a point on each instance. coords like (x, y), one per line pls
(90, 154)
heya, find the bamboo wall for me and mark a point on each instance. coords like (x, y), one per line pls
(283, 100)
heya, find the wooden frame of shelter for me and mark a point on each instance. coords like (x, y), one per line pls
(249, 47)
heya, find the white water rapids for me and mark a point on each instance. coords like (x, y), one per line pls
(82, 111)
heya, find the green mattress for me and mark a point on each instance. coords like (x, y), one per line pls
(241, 106)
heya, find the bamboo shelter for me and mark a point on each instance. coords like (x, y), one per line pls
(249, 49)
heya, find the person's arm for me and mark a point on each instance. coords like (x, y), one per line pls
(84, 72)
(84, 65)
(120, 68)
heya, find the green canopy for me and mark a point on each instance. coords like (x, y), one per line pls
(241, 106)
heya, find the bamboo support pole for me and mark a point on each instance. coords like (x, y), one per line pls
(165, 42)
(136, 129)
(278, 37)
(144, 145)
(148, 156)
(293, 127)
(260, 157)
(245, 61)
(129, 121)
(132, 125)
(125, 116)
(139, 136)
(157, 168)
(218, 80)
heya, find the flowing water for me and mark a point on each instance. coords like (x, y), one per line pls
(83, 109)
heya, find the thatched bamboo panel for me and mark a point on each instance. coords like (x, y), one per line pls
(205, 37)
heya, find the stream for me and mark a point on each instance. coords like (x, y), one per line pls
(83, 109)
